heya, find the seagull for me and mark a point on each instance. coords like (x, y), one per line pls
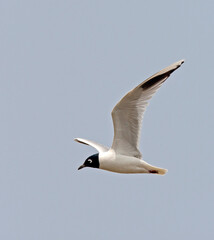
(124, 155)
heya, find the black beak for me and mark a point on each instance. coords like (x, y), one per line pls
(82, 166)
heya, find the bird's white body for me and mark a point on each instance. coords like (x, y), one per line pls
(124, 155)
(113, 162)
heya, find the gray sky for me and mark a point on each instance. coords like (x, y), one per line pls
(64, 65)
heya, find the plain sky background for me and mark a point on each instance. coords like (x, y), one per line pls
(63, 67)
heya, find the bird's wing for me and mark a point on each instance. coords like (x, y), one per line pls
(100, 148)
(127, 115)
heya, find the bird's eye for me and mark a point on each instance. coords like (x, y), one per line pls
(89, 160)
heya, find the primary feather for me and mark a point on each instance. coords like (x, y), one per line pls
(127, 115)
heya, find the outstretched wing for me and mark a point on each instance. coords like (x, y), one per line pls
(127, 115)
(100, 148)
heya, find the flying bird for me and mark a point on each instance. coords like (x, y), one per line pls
(124, 155)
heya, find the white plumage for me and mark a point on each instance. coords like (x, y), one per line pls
(124, 155)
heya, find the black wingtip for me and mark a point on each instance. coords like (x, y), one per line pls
(158, 77)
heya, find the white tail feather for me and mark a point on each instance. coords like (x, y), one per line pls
(157, 170)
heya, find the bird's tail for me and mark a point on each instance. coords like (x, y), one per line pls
(157, 170)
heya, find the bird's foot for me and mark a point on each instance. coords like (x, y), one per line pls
(153, 171)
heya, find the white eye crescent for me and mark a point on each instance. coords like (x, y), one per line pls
(89, 160)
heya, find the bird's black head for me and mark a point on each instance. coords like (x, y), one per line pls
(92, 161)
